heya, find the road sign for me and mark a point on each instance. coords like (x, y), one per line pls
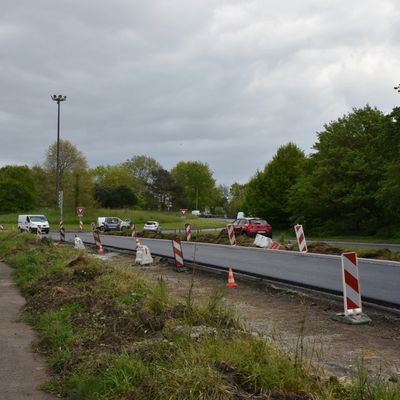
(183, 211)
(80, 211)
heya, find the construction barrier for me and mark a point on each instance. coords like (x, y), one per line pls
(78, 243)
(135, 236)
(97, 240)
(178, 254)
(231, 279)
(301, 240)
(276, 246)
(143, 255)
(188, 232)
(262, 241)
(62, 232)
(351, 291)
(39, 232)
(231, 234)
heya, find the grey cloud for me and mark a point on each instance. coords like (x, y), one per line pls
(225, 82)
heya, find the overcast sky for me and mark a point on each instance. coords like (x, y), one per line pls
(223, 82)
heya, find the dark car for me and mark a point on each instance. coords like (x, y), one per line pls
(252, 227)
(206, 214)
(112, 224)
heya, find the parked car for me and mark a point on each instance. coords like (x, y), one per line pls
(196, 212)
(126, 224)
(112, 224)
(252, 226)
(152, 226)
(206, 214)
(32, 222)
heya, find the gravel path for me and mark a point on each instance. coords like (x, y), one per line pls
(21, 371)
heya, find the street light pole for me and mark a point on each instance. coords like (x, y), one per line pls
(59, 194)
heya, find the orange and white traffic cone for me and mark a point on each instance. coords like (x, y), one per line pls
(231, 279)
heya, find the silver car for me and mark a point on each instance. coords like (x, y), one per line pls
(152, 226)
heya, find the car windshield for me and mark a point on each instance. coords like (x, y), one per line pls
(151, 223)
(112, 220)
(38, 218)
(258, 222)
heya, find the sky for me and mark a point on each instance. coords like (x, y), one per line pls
(222, 82)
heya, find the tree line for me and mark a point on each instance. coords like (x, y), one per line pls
(348, 184)
(139, 182)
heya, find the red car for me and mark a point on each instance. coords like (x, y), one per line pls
(252, 226)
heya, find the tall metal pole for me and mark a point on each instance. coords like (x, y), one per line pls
(58, 152)
(59, 194)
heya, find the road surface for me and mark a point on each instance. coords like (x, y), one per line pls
(380, 280)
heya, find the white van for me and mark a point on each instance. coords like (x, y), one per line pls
(32, 222)
(100, 223)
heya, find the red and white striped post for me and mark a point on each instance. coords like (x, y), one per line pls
(231, 234)
(80, 224)
(301, 239)
(188, 232)
(351, 292)
(97, 240)
(134, 235)
(39, 232)
(178, 254)
(351, 284)
(62, 232)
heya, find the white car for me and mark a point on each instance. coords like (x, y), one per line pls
(152, 226)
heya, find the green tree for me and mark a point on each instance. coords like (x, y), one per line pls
(237, 199)
(142, 169)
(17, 189)
(198, 182)
(268, 191)
(166, 193)
(114, 196)
(75, 177)
(115, 175)
(339, 193)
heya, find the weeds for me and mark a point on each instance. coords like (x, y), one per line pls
(109, 334)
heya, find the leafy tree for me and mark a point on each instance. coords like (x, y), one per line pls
(237, 198)
(198, 182)
(268, 192)
(70, 158)
(115, 196)
(115, 175)
(17, 189)
(75, 178)
(339, 194)
(142, 167)
(166, 193)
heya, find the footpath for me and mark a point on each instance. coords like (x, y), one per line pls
(21, 370)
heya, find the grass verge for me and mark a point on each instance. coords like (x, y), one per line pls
(107, 333)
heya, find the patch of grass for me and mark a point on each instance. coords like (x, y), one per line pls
(110, 334)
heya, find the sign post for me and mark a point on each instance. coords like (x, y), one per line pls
(79, 213)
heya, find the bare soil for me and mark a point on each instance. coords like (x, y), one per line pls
(300, 322)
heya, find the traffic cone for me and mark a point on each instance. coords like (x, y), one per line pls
(231, 279)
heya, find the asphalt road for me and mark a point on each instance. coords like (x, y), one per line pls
(380, 280)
